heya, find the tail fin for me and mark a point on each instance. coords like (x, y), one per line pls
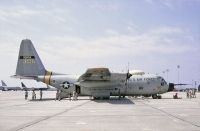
(3, 83)
(29, 63)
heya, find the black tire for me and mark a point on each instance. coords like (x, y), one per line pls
(154, 96)
(159, 97)
(96, 98)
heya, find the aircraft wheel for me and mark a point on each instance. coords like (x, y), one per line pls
(96, 98)
(159, 97)
(154, 96)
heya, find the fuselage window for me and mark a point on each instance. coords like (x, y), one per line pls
(140, 88)
(163, 82)
(139, 79)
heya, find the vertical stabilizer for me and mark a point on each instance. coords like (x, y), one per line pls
(3, 83)
(29, 63)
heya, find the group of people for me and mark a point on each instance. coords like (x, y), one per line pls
(73, 96)
(191, 93)
(33, 95)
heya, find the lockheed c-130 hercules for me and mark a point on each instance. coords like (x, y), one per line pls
(95, 82)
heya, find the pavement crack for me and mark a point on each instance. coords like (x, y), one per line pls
(14, 105)
(46, 118)
(169, 114)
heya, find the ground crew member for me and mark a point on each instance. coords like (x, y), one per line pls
(195, 93)
(26, 95)
(74, 95)
(190, 93)
(187, 93)
(59, 94)
(41, 94)
(33, 95)
(176, 96)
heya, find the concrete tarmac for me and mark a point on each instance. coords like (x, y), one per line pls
(129, 114)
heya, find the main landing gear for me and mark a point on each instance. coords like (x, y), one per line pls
(156, 96)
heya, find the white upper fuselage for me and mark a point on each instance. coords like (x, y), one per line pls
(146, 84)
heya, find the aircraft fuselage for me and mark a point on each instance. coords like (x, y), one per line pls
(117, 85)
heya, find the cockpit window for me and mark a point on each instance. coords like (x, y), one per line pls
(163, 82)
(159, 77)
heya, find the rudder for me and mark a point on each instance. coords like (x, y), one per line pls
(29, 63)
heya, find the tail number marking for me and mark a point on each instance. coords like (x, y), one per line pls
(28, 59)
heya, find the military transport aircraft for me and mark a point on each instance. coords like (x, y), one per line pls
(95, 82)
(4, 87)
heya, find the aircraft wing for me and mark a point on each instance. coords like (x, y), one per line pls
(96, 74)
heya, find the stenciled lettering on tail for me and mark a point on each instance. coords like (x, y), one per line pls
(28, 59)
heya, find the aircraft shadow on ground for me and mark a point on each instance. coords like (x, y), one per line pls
(44, 99)
(63, 99)
(110, 101)
(122, 101)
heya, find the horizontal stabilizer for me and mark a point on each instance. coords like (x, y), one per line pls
(23, 77)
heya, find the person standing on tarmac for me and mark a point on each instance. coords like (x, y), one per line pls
(74, 95)
(26, 95)
(59, 94)
(195, 93)
(187, 93)
(33, 95)
(190, 93)
(41, 94)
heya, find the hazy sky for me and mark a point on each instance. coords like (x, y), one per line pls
(73, 35)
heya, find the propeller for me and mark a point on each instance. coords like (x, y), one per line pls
(128, 75)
